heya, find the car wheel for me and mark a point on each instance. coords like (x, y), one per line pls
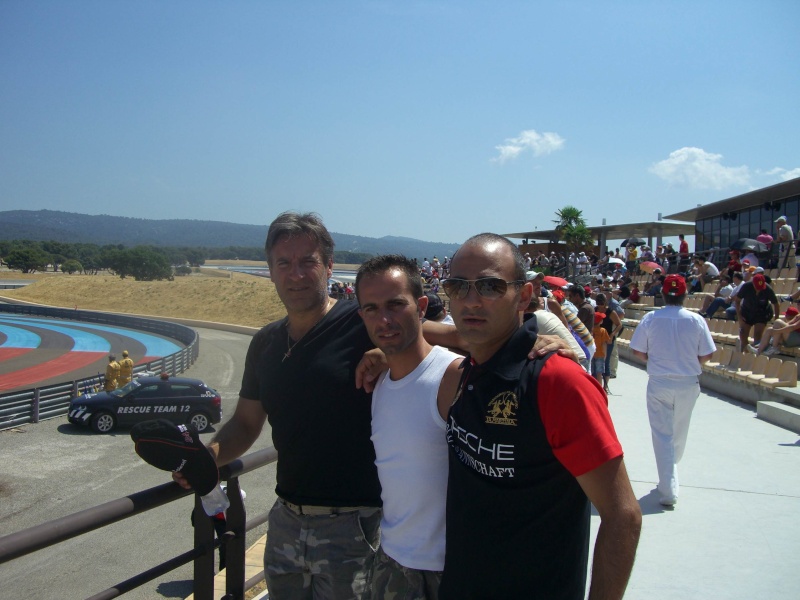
(103, 422)
(200, 421)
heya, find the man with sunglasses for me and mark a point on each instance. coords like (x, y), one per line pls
(531, 445)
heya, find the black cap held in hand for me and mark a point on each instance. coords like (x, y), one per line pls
(171, 447)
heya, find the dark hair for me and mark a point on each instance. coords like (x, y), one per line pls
(291, 223)
(674, 300)
(600, 298)
(738, 275)
(380, 264)
(484, 238)
(577, 290)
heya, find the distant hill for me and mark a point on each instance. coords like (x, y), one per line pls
(44, 225)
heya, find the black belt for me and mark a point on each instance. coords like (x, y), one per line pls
(309, 510)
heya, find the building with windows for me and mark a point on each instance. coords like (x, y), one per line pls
(719, 224)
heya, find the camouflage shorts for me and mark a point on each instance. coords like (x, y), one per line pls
(322, 556)
(393, 581)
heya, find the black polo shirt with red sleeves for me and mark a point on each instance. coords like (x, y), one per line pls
(519, 434)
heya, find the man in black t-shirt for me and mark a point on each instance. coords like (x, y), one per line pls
(300, 374)
(756, 305)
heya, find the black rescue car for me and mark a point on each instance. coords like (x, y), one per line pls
(177, 399)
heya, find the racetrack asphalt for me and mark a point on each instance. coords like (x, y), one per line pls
(37, 351)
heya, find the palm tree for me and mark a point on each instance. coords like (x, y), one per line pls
(569, 217)
(571, 227)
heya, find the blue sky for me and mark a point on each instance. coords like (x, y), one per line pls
(428, 119)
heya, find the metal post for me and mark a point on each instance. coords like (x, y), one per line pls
(235, 552)
(204, 564)
(35, 406)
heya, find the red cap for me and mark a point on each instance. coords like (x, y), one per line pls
(599, 318)
(674, 285)
(587, 289)
(791, 312)
(559, 295)
(759, 282)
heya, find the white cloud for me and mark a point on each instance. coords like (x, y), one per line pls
(538, 143)
(784, 174)
(696, 168)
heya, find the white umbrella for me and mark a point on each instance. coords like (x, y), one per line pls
(615, 261)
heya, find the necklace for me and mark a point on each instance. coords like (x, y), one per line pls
(289, 345)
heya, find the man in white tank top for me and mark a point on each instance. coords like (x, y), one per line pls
(409, 408)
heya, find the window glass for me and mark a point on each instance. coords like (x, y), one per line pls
(742, 217)
(147, 391)
(182, 390)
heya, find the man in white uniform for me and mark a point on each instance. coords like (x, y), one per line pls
(409, 408)
(675, 343)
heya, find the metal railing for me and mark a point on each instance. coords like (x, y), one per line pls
(27, 541)
(34, 405)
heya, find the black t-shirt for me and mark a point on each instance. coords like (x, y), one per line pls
(756, 305)
(320, 421)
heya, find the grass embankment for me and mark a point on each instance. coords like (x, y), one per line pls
(209, 295)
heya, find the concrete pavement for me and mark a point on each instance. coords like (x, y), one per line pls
(737, 523)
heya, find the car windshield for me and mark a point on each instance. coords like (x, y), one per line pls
(126, 389)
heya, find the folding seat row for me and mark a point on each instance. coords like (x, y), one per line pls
(723, 331)
(693, 302)
(762, 370)
(788, 273)
(784, 287)
(624, 338)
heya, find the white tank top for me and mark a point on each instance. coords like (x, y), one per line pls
(411, 456)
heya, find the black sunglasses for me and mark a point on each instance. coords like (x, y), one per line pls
(487, 287)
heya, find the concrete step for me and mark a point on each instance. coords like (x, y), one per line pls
(779, 414)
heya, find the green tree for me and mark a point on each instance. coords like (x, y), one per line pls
(571, 227)
(196, 256)
(146, 264)
(27, 259)
(71, 266)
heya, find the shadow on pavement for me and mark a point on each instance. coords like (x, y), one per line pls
(650, 505)
(175, 589)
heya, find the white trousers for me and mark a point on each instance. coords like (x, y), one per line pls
(670, 401)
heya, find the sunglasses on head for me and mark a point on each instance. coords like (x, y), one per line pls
(487, 287)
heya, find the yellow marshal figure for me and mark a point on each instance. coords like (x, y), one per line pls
(112, 373)
(125, 369)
